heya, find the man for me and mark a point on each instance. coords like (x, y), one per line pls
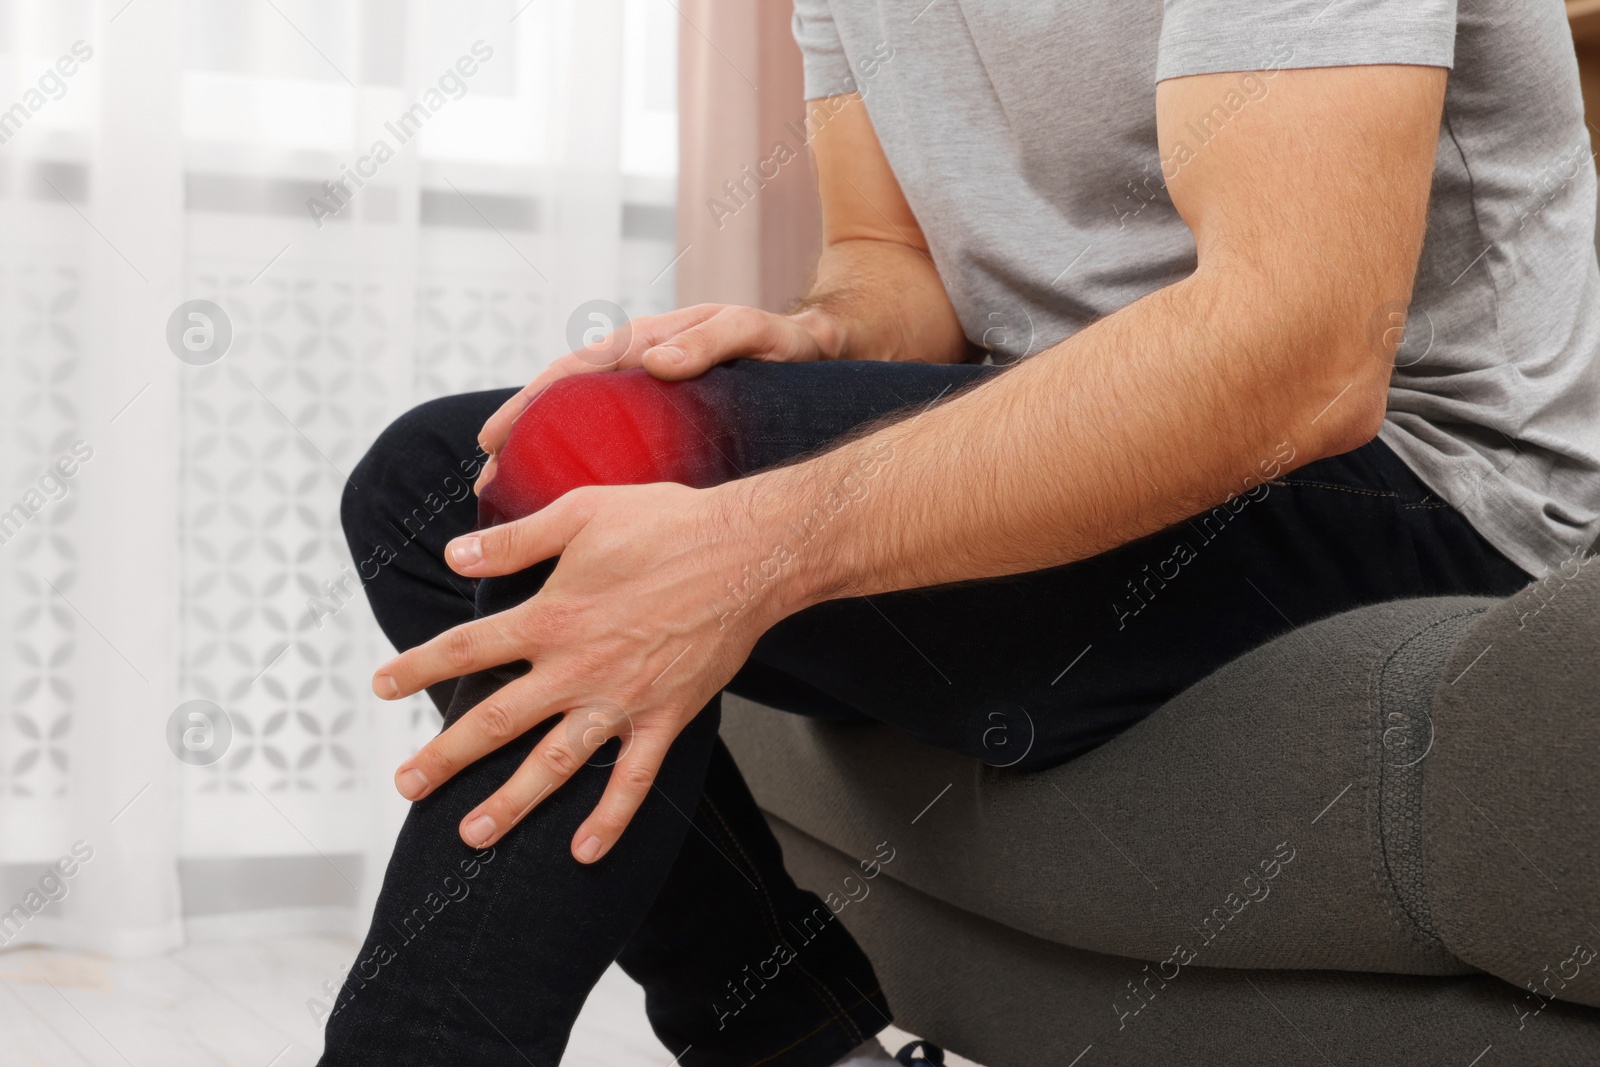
(1187, 235)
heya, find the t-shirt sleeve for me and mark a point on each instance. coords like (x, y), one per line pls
(827, 71)
(1214, 36)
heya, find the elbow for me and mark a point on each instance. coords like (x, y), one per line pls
(1352, 417)
(1351, 434)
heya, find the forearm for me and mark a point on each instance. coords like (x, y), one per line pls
(1174, 404)
(1308, 218)
(881, 300)
(877, 294)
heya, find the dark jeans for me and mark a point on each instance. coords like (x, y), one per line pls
(486, 958)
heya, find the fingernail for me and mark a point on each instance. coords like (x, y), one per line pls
(385, 686)
(466, 550)
(669, 353)
(590, 850)
(411, 782)
(479, 830)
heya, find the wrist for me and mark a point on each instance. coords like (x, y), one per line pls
(826, 329)
(781, 565)
(815, 530)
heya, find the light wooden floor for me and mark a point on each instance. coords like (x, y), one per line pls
(239, 1004)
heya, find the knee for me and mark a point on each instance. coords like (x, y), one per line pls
(410, 462)
(616, 428)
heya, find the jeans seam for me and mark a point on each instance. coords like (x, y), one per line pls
(837, 1012)
(824, 994)
(472, 946)
(1391, 494)
(866, 998)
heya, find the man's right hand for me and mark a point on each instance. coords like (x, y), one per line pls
(680, 344)
(877, 294)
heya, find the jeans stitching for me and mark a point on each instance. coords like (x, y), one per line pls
(477, 936)
(825, 995)
(865, 999)
(837, 1012)
(1391, 494)
(728, 837)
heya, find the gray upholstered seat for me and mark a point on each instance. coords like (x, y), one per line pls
(1403, 790)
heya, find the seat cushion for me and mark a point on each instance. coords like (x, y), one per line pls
(1512, 797)
(1267, 817)
(1005, 999)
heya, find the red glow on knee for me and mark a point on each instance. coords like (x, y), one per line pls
(606, 428)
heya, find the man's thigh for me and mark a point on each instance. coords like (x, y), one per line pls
(1030, 670)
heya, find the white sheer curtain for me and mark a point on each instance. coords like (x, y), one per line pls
(169, 527)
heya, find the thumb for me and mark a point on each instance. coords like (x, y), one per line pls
(672, 361)
(519, 544)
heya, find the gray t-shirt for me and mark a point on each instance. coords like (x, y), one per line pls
(1024, 136)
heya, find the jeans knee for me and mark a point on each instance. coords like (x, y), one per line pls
(614, 428)
(412, 464)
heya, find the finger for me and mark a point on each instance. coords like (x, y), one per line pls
(556, 758)
(511, 711)
(490, 466)
(621, 349)
(497, 428)
(472, 646)
(630, 783)
(519, 544)
(731, 333)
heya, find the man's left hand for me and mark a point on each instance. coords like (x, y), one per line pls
(632, 634)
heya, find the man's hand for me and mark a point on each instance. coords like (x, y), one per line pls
(623, 639)
(680, 344)
(876, 294)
